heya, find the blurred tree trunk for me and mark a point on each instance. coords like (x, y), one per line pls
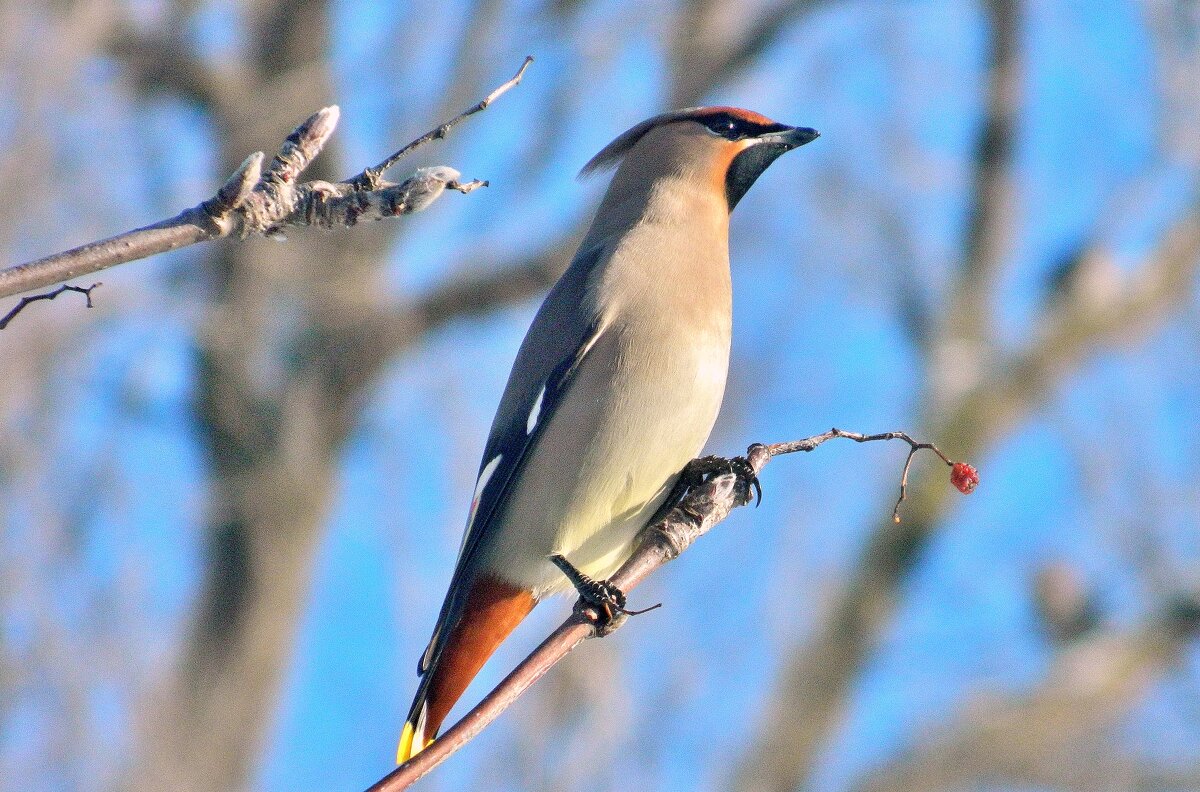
(293, 336)
(270, 424)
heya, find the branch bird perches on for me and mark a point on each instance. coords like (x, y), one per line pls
(708, 490)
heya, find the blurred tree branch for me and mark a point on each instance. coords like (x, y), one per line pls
(991, 207)
(816, 678)
(1057, 735)
(163, 62)
(716, 40)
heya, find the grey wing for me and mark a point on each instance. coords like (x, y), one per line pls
(565, 328)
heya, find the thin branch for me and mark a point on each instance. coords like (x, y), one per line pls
(699, 509)
(264, 200)
(962, 475)
(50, 295)
(370, 177)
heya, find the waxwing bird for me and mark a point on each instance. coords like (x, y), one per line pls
(614, 390)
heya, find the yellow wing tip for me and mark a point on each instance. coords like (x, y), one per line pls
(405, 751)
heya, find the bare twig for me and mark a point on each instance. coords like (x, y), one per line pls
(701, 508)
(369, 178)
(265, 200)
(963, 476)
(50, 295)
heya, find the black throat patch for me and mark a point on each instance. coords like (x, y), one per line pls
(747, 166)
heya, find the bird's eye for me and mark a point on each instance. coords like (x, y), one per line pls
(724, 127)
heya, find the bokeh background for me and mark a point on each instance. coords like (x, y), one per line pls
(231, 494)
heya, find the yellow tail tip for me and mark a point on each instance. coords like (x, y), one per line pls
(406, 750)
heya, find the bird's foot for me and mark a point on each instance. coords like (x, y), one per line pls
(699, 470)
(600, 601)
(748, 483)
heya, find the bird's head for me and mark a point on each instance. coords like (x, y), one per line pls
(725, 147)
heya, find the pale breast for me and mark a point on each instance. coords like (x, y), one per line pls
(642, 405)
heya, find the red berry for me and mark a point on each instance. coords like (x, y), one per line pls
(965, 477)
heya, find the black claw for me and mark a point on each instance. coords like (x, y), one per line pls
(655, 606)
(740, 466)
(603, 597)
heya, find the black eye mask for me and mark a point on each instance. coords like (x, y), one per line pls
(732, 127)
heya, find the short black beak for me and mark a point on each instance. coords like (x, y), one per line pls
(791, 137)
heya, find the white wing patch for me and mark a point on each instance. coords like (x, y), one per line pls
(419, 731)
(536, 412)
(484, 477)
